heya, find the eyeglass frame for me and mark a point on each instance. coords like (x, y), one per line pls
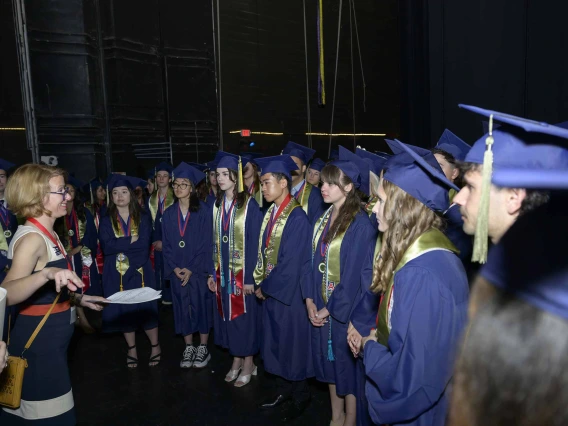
(64, 193)
(179, 185)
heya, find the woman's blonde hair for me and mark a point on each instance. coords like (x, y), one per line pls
(27, 188)
(407, 219)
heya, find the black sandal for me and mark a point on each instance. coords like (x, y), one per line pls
(153, 358)
(131, 360)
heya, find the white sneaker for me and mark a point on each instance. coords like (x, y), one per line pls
(188, 356)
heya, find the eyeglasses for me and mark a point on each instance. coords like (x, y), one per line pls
(63, 194)
(183, 186)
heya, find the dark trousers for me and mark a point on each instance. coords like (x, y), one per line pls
(298, 390)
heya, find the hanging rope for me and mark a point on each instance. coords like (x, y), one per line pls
(307, 81)
(321, 73)
(352, 73)
(360, 58)
(335, 76)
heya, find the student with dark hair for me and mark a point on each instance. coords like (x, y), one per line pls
(186, 237)
(342, 238)
(236, 225)
(125, 235)
(282, 266)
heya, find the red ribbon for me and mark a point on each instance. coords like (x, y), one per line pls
(52, 239)
(300, 190)
(186, 220)
(278, 213)
(122, 227)
(227, 220)
(70, 220)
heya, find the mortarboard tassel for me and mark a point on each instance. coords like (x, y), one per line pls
(480, 244)
(240, 187)
(108, 202)
(92, 196)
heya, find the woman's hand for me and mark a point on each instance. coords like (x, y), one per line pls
(372, 336)
(249, 289)
(62, 278)
(184, 275)
(259, 294)
(211, 284)
(92, 302)
(74, 251)
(3, 356)
(312, 310)
(353, 339)
(320, 319)
(133, 239)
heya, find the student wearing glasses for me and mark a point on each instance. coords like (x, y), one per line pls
(41, 275)
(186, 237)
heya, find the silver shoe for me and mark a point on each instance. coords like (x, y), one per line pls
(232, 375)
(244, 380)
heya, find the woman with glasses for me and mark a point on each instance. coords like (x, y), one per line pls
(78, 233)
(237, 220)
(186, 237)
(42, 276)
(125, 239)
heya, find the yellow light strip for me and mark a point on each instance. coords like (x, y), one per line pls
(313, 134)
(12, 128)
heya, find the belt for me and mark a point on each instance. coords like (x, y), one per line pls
(41, 310)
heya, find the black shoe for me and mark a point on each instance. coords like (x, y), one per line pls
(295, 410)
(272, 402)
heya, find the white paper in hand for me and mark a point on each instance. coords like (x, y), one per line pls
(3, 294)
(138, 295)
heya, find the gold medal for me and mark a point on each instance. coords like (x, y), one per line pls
(225, 239)
(321, 267)
(182, 243)
(71, 233)
(7, 233)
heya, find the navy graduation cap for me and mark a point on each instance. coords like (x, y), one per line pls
(5, 165)
(317, 164)
(277, 164)
(417, 177)
(187, 171)
(230, 161)
(452, 144)
(163, 166)
(300, 151)
(355, 168)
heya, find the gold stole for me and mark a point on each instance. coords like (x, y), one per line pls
(236, 238)
(451, 195)
(330, 266)
(82, 225)
(122, 262)
(154, 202)
(305, 196)
(265, 266)
(370, 205)
(433, 239)
(258, 196)
(3, 240)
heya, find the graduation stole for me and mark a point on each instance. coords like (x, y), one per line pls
(236, 240)
(431, 240)
(304, 195)
(330, 266)
(370, 205)
(154, 202)
(3, 241)
(265, 266)
(256, 193)
(122, 262)
(451, 195)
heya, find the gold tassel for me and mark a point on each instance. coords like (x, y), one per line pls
(240, 187)
(480, 244)
(92, 196)
(107, 197)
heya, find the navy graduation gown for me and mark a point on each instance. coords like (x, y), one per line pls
(316, 205)
(127, 318)
(406, 382)
(454, 232)
(285, 345)
(192, 310)
(358, 240)
(241, 335)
